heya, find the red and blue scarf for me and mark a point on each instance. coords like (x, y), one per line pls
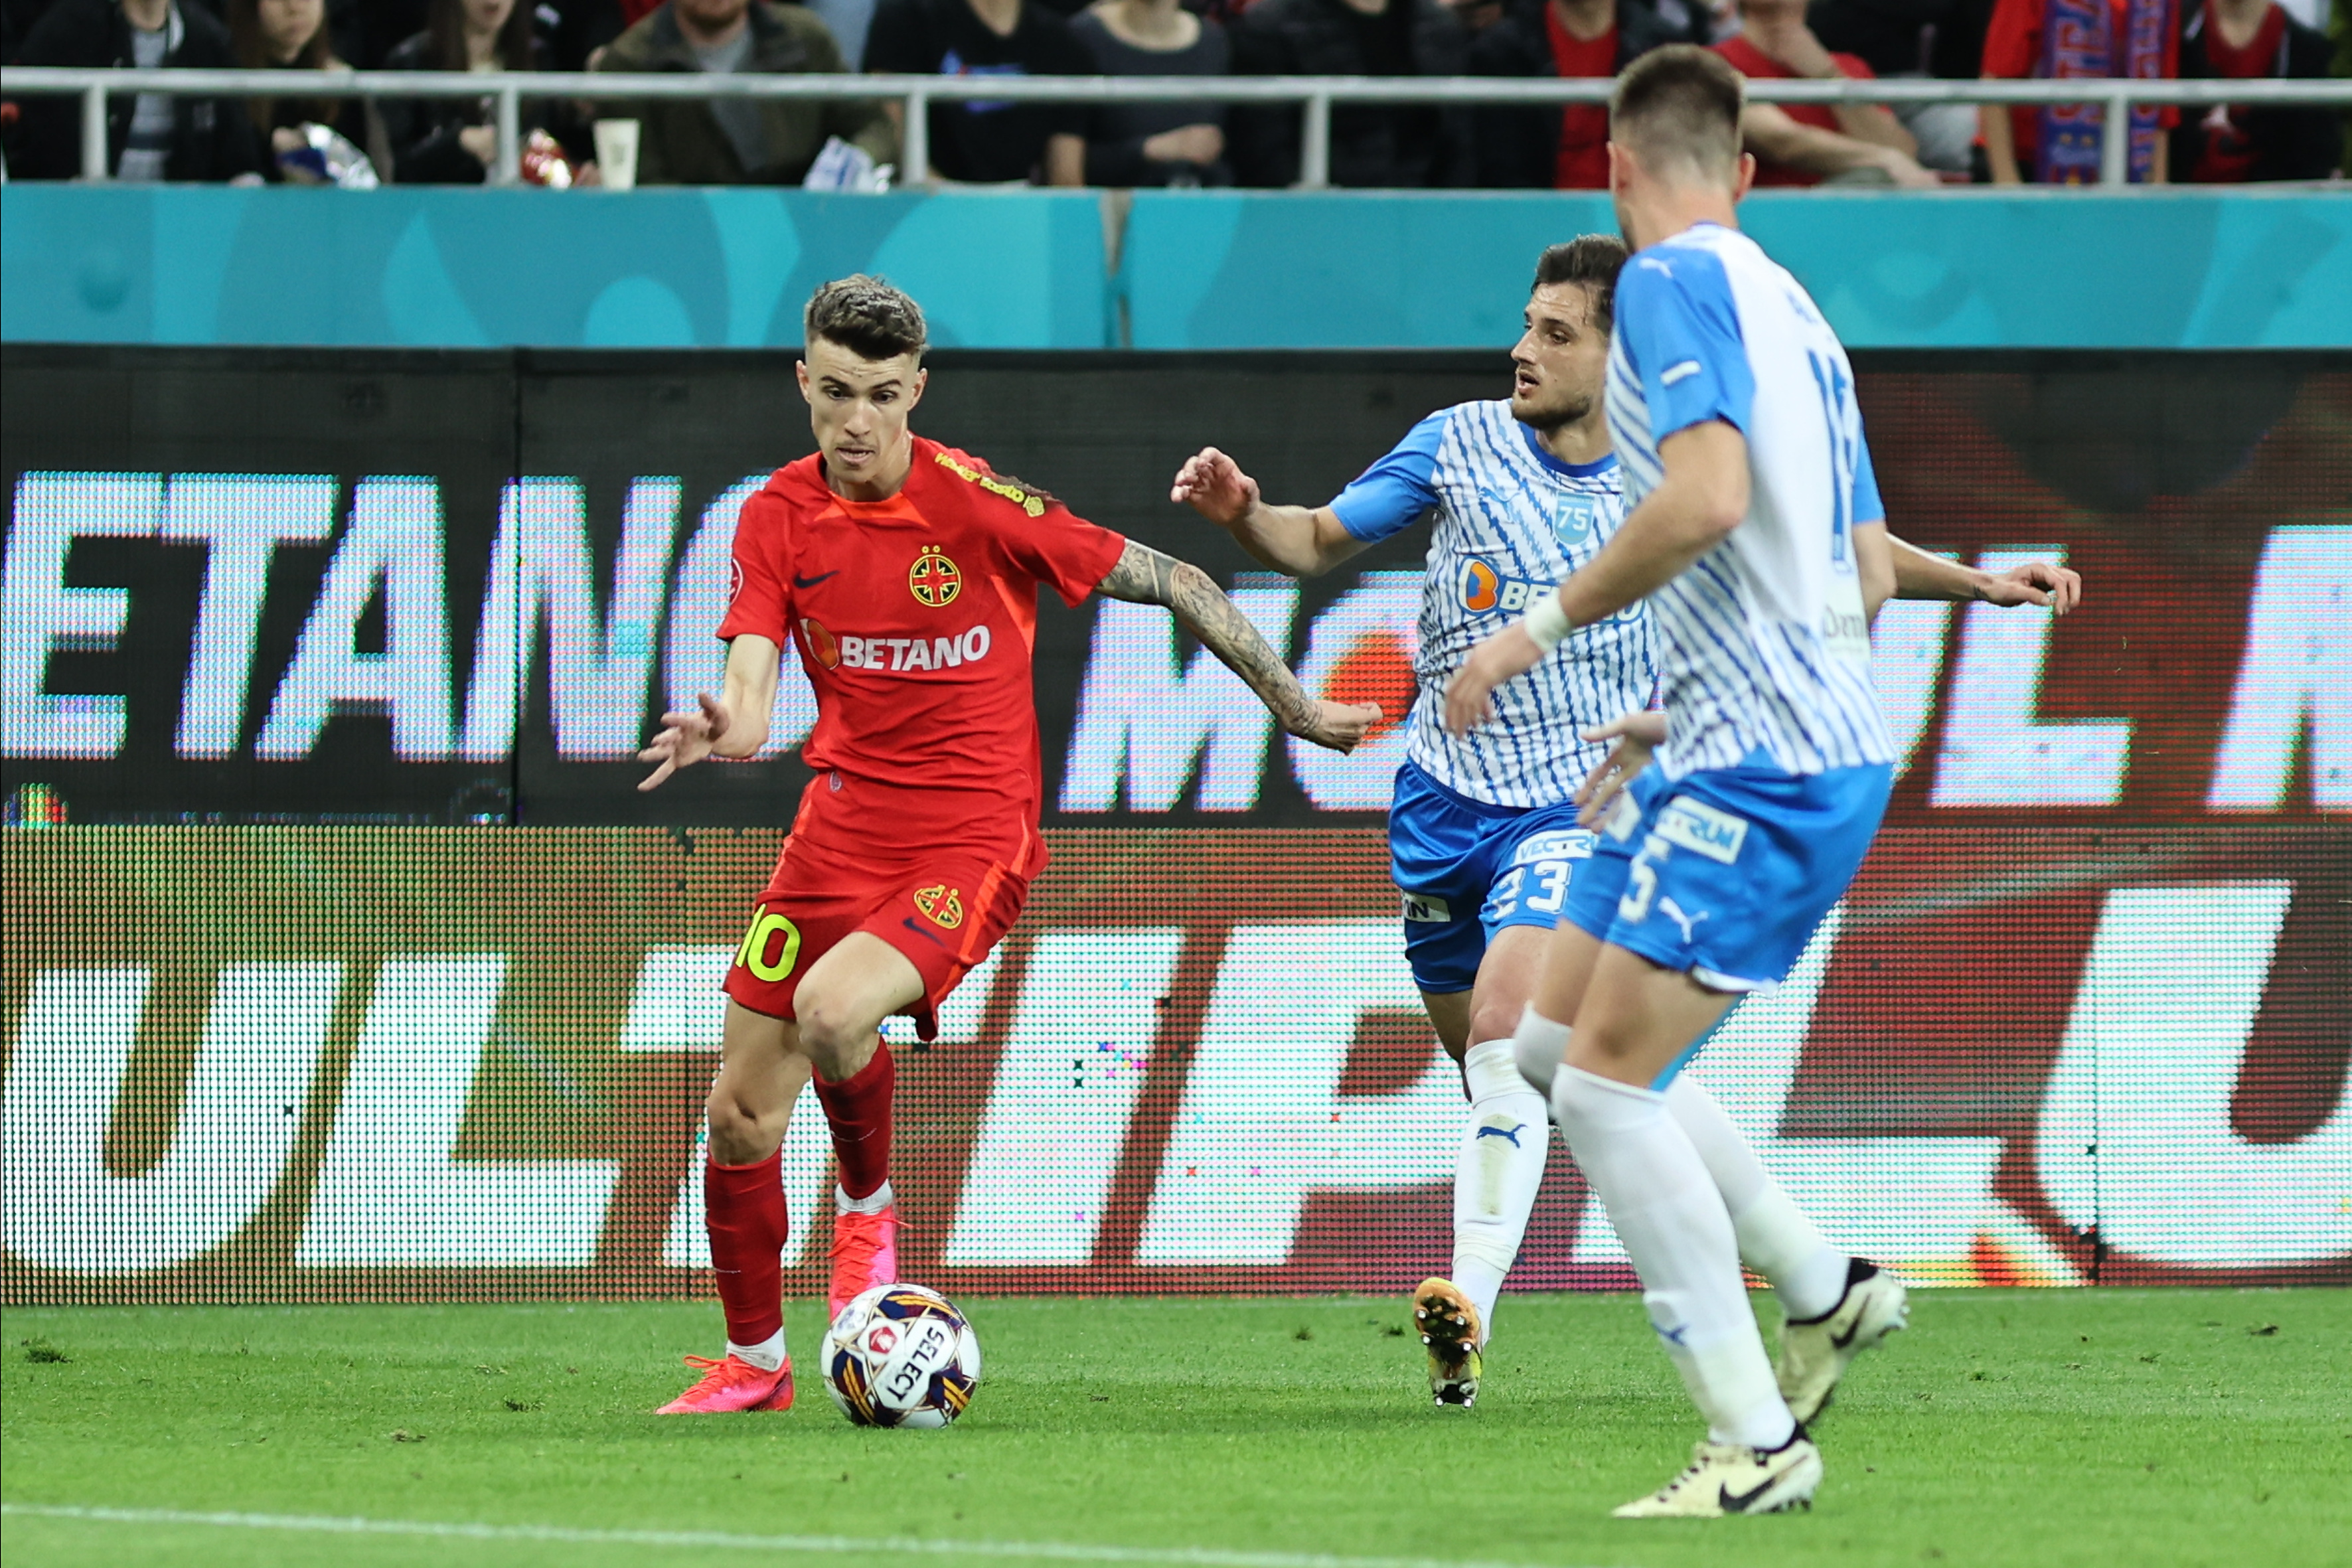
(2078, 41)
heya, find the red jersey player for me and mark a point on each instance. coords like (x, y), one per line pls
(906, 573)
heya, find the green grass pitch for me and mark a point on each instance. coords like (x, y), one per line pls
(2102, 1428)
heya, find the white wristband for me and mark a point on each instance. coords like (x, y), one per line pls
(1547, 622)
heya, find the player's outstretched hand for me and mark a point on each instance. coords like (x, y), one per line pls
(1214, 486)
(1638, 734)
(685, 740)
(2036, 582)
(1507, 653)
(1339, 726)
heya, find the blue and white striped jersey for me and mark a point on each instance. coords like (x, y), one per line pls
(1512, 520)
(1765, 647)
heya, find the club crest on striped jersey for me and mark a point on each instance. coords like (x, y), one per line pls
(1573, 522)
(933, 579)
(941, 905)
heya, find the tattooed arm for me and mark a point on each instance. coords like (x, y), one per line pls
(1145, 576)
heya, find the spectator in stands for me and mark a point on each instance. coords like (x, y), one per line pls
(978, 142)
(573, 33)
(1561, 147)
(149, 136)
(292, 35)
(1893, 36)
(367, 31)
(1910, 40)
(1806, 143)
(579, 30)
(2059, 145)
(453, 141)
(17, 20)
(1401, 145)
(849, 22)
(1477, 15)
(2233, 143)
(347, 32)
(739, 141)
(1178, 143)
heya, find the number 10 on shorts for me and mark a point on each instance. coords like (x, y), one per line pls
(754, 955)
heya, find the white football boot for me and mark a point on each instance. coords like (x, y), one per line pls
(1731, 1478)
(1815, 1353)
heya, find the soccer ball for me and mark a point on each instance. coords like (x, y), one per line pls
(901, 1355)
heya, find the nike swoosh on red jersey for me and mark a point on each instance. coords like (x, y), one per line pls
(801, 582)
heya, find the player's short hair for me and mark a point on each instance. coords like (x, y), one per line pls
(1590, 261)
(868, 317)
(1677, 108)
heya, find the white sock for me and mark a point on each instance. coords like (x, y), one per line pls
(874, 1202)
(767, 1355)
(1678, 1234)
(1538, 1048)
(1495, 1175)
(1776, 1237)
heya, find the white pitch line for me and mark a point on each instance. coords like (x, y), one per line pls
(886, 1545)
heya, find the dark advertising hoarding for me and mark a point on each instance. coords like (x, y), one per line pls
(441, 588)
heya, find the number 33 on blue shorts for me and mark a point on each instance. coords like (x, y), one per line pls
(1725, 872)
(1467, 870)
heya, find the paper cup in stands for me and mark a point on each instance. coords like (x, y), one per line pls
(616, 154)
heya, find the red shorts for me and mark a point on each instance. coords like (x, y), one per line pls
(944, 912)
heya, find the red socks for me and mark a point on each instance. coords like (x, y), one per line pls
(744, 1205)
(858, 1108)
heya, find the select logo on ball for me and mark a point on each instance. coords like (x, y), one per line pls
(901, 1355)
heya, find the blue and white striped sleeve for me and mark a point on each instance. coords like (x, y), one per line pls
(1390, 496)
(1682, 331)
(1867, 506)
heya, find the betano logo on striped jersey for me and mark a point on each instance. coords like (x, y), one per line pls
(310, 1063)
(2233, 688)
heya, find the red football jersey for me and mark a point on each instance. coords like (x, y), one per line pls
(915, 618)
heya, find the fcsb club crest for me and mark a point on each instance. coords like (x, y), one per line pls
(933, 579)
(941, 905)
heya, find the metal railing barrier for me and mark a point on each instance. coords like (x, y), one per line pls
(1316, 95)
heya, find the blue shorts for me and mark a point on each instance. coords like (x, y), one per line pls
(1725, 872)
(1467, 869)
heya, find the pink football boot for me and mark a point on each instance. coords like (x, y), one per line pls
(864, 1254)
(734, 1384)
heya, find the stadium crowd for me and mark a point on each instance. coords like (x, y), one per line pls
(737, 142)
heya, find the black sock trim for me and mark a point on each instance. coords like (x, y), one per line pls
(1857, 1269)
